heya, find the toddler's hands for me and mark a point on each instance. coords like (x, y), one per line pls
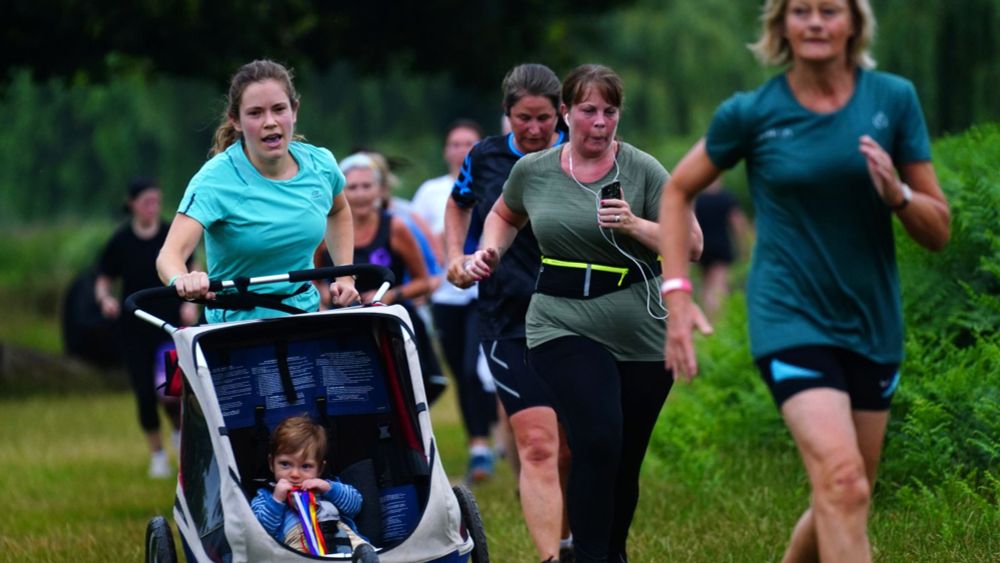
(316, 485)
(281, 490)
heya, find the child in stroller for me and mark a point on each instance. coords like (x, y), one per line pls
(297, 458)
(355, 371)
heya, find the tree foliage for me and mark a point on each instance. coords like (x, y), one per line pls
(99, 91)
(474, 39)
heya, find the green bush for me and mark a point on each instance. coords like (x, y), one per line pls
(953, 295)
(40, 261)
(726, 408)
(946, 421)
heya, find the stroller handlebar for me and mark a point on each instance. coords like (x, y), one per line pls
(367, 272)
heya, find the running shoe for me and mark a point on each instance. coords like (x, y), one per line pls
(480, 467)
(159, 466)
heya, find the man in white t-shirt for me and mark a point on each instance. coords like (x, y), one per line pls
(455, 312)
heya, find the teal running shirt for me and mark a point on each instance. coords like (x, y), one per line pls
(255, 226)
(824, 267)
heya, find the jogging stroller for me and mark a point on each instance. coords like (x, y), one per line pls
(355, 370)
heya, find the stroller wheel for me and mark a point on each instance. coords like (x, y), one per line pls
(364, 553)
(160, 542)
(473, 523)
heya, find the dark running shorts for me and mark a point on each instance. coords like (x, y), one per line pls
(870, 385)
(517, 386)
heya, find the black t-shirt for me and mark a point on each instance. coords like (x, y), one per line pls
(133, 260)
(504, 296)
(712, 210)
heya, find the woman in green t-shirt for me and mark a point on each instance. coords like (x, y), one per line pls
(822, 143)
(595, 322)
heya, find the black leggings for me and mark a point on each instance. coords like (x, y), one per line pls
(457, 329)
(141, 342)
(608, 409)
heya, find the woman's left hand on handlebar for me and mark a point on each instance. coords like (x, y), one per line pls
(343, 292)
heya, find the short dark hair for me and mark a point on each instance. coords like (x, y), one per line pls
(530, 79)
(140, 184)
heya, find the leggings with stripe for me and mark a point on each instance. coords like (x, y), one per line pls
(608, 409)
(457, 327)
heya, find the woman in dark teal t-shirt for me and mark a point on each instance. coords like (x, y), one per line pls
(822, 142)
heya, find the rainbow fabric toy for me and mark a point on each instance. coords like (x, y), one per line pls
(304, 504)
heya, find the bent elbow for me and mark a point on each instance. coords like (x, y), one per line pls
(697, 247)
(943, 234)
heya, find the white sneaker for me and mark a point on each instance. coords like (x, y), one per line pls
(159, 466)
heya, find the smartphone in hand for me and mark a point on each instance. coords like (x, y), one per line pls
(612, 191)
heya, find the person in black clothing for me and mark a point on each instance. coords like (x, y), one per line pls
(721, 220)
(130, 256)
(531, 96)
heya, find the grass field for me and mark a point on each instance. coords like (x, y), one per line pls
(72, 474)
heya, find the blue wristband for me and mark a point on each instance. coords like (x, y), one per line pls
(172, 280)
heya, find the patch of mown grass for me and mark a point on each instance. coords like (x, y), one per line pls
(73, 473)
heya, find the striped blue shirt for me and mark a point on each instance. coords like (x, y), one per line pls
(277, 518)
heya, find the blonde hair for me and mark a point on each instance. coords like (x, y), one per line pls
(250, 73)
(771, 47)
(361, 161)
(299, 434)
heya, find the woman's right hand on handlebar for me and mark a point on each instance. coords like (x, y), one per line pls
(193, 285)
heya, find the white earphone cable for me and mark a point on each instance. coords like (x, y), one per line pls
(639, 264)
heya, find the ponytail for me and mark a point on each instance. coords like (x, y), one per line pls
(225, 135)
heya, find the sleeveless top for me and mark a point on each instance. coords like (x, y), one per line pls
(378, 251)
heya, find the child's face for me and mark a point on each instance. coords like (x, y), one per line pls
(297, 467)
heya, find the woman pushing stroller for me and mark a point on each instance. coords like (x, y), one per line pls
(263, 201)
